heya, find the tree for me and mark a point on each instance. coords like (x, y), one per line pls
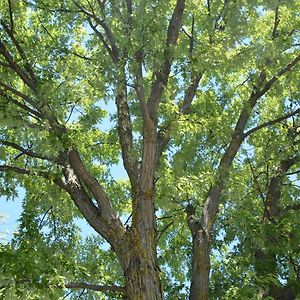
(206, 119)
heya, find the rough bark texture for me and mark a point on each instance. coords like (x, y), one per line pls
(141, 272)
(200, 266)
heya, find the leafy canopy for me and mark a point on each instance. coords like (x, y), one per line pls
(62, 65)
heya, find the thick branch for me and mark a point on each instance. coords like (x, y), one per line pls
(274, 189)
(212, 201)
(283, 71)
(84, 203)
(11, 15)
(129, 7)
(276, 23)
(91, 182)
(163, 74)
(113, 228)
(140, 86)
(125, 136)
(190, 93)
(208, 7)
(192, 220)
(292, 207)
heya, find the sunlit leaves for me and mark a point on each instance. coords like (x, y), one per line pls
(235, 45)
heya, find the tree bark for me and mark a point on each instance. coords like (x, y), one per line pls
(265, 258)
(139, 259)
(200, 266)
(142, 274)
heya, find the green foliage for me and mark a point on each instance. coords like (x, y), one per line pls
(235, 45)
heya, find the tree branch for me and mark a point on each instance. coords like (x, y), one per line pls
(21, 52)
(163, 137)
(211, 204)
(255, 178)
(293, 173)
(27, 152)
(95, 287)
(274, 188)
(271, 122)
(140, 86)
(163, 74)
(164, 230)
(107, 228)
(58, 181)
(293, 207)
(113, 49)
(125, 136)
(283, 71)
(192, 220)
(105, 44)
(190, 93)
(20, 94)
(21, 105)
(208, 7)
(16, 67)
(81, 285)
(43, 112)
(11, 15)
(276, 23)
(112, 227)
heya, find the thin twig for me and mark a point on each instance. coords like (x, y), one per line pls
(277, 120)
(95, 287)
(44, 216)
(163, 231)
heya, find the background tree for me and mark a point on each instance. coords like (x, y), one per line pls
(204, 112)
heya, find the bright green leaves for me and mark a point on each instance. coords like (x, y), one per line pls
(79, 71)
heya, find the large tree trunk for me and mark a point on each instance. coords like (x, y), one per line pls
(140, 264)
(142, 278)
(200, 266)
(140, 267)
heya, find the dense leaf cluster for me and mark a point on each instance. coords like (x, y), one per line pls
(90, 76)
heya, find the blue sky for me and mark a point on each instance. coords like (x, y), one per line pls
(10, 210)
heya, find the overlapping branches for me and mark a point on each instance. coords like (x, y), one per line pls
(109, 42)
(163, 73)
(77, 179)
(238, 136)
